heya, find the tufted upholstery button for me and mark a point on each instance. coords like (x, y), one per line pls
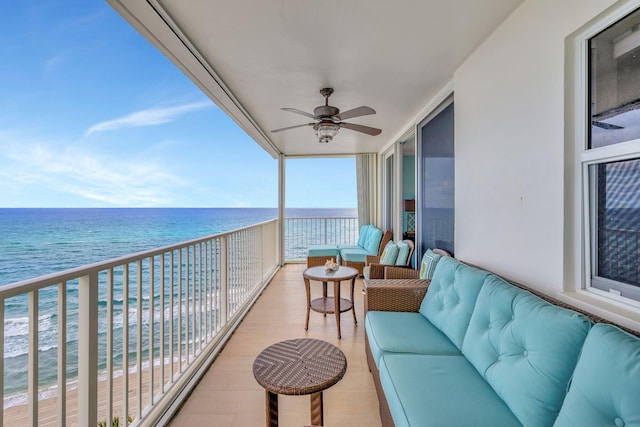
(619, 422)
(526, 353)
(499, 358)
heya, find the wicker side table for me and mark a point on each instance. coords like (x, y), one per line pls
(298, 367)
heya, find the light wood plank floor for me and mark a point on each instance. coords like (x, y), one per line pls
(229, 396)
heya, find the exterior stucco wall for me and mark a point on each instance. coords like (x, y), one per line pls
(510, 144)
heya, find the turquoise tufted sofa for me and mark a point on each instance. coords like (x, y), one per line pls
(483, 352)
(371, 241)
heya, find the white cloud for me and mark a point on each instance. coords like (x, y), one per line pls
(76, 171)
(149, 117)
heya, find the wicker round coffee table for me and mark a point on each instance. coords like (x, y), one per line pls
(298, 367)
(326, 304)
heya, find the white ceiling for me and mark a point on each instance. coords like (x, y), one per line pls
(253, 57)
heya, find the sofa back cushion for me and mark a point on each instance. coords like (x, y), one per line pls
(364, 232)
(525, 348)
(451, 297)
(372, 244)
(606, 383)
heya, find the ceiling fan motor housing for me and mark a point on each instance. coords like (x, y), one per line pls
(325, 111)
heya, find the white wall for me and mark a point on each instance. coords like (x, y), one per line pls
(509, 125)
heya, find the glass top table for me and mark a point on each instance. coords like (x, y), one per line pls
(326, 304)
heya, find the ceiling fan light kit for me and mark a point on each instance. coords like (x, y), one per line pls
(330, 119)
(326, 131)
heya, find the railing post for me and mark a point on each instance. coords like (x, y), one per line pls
(224, 280)
(88, 349)
(32, 380)
(326, 241)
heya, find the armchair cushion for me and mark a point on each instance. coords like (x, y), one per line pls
(354, 255)
(323, 250)
(389, 254)
(364, 232)
(372, 244)
(403, 253)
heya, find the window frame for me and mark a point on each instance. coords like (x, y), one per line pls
(588, 158)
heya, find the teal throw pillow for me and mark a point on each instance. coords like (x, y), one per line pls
(403, 253)
(389, 254)
(429, 261)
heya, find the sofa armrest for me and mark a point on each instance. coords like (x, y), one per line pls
(397, 272)
(394, 295)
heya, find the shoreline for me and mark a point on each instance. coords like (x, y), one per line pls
(48, 405)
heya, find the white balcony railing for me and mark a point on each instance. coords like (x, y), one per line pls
(145, 326)
(164, 312)
(301, 232)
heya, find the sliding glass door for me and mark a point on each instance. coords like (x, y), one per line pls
(436, 180)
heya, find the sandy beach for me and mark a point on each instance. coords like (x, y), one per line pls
(47, 407)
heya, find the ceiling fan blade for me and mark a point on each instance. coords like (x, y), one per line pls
(355, 112)
(360, 128)
(293, 127)
(295, 110)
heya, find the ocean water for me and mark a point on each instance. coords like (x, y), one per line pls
(34, 242)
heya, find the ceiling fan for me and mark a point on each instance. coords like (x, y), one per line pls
(329, 119)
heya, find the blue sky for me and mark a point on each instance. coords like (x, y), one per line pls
(91, 115)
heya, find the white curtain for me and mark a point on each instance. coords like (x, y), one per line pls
(366, 173)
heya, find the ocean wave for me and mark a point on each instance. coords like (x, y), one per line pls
(19, 326)
(21, 398)
(16, 343)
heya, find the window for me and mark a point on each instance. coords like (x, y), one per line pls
(611, 160)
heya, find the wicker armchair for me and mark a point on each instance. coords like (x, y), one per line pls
(377, 270)
(397, 272)
(401, 289)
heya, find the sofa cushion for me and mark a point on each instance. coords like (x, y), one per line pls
(438, 391)
(389, 254)
(428, 264)
(342, 246)
(374, 237)
(451, 297)
(525, 347)
(606, 383)
(402, 332)
(323, 250)
(403, 253)
(354, 255)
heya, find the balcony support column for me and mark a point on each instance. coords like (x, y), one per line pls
(281, 208)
